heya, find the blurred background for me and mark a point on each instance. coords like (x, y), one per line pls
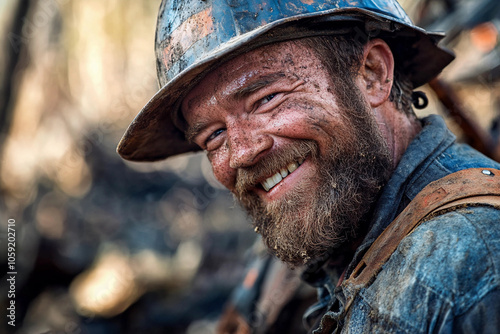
(107, 246)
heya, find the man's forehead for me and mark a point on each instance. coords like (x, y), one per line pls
(269, 61)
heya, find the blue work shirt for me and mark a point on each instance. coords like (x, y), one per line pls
(443, 278)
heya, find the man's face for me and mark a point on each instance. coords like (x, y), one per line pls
(299, 149)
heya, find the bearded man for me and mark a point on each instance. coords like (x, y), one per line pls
(305, 112)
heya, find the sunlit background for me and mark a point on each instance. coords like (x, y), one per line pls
(105, 246)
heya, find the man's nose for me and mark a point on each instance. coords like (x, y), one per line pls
(246, 146)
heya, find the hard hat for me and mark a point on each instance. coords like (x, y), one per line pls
(194, 36)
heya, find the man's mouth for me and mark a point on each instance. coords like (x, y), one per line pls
(272, 181)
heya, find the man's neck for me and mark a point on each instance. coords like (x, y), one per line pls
(397, 128)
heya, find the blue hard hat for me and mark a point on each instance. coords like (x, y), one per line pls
(194, 36)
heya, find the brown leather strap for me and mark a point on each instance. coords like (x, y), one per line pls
(470, 187)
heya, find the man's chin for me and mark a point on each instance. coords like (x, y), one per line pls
(304, 242)
(293, 238)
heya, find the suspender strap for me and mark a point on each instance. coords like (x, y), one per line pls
(470, 187)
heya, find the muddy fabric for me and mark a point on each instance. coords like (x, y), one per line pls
(443, 278)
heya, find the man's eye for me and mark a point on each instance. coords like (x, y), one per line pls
(266, 99)
(214, 135)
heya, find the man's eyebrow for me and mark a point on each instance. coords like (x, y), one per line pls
(254, 86)
(193, 131)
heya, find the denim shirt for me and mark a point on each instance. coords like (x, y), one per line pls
(443, 278)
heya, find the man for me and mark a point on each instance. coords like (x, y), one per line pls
(304, 110)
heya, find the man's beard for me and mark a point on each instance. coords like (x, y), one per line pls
(324, 215)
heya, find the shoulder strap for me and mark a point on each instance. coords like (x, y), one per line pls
(470, 187)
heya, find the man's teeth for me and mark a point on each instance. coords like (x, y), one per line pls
(276, 178)
(292, 167)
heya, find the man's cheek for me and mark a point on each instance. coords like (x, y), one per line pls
(304, 120)
(219, 160)
(224, 174)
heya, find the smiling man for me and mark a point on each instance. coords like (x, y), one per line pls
(306, 164)
(304, 109)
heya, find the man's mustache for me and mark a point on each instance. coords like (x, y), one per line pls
(249, 177)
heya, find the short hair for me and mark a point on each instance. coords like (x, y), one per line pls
(342, 56)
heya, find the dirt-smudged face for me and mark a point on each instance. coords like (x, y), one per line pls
(305, 164)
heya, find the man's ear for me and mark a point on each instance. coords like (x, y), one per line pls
(375, 76)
